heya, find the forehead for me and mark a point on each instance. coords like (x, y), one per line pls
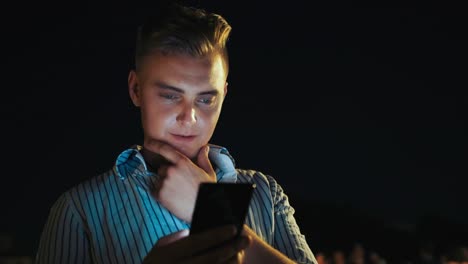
(209, 68)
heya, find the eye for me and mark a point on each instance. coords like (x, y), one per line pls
(169, 96)
(207, 100)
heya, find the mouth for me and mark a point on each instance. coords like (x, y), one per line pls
(183, 138)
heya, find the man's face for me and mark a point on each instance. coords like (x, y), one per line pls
(180, 99)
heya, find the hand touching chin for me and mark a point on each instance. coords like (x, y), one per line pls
(177, 185)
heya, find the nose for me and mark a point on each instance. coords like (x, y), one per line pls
(187, 115)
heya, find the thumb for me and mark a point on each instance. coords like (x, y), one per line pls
(172, 237)
(204, 162)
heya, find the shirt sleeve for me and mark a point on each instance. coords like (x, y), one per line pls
(63, 239)
(287, 236)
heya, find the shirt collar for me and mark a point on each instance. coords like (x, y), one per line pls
(130, 163)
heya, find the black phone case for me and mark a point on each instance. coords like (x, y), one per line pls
(220, 204)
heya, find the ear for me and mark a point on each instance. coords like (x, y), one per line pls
(225, 88)
(134, 89)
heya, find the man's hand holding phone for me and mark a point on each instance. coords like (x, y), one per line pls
(217, 216)
(181, 247)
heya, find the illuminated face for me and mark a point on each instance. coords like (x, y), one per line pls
(180, 98)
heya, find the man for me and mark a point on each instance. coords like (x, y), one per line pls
(141, 209)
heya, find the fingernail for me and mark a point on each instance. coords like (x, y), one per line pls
(184, 233)
(207, 149)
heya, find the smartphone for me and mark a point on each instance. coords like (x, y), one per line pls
(220, 204)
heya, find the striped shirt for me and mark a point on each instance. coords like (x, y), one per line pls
(112, 218)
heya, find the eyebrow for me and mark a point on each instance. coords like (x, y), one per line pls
(175, 89)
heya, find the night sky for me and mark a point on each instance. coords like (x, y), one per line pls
(360, 108)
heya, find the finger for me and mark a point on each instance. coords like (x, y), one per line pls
(204, 161)
(226, 253)
(160, 250)
(188, 247)
(172, 237)
(167, 151)
(238, 258)
(195, 243)
(162, 171)
(155, 158)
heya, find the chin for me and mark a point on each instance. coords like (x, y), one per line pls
(189, 151)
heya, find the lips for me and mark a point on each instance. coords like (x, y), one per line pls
(184, 138)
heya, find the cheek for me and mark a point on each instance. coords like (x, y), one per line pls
(156, 117)
(208, 119)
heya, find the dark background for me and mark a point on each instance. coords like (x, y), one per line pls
(360, 113)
